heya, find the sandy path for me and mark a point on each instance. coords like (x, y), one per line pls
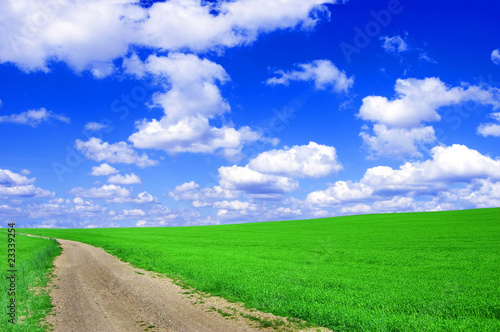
(94, 291)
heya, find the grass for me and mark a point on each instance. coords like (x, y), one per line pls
(34, 257)
(436, 271)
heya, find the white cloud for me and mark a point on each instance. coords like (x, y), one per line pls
(121, 152)
(107, 191)
(191, 191)
(453, 165)
(397, 142)
(322, 72)
(394, 44)
(192, 134)
(417, 101)
(95, 126)
(490, 129)
(192, 99)
(312, 160)
(89, 34)
(398, 122)
(340, 192)
(142, 198)
(25, 191)
(9, 178)
(495, 56)
(6, 210)
(253, 182)
(33, 117)
(495, 116)
(160, 215)
(134, 213)
(14, 184)
(191, 82)
(395, 204)
(113, 194)
(84, 34)
(482, 194)
(267, 176)
(234, 205)
(103, 169)
(397, 45)
(124, 179)
(359, 208)
(239, 22)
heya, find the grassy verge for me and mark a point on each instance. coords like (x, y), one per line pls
(390, 272)
(34, 260)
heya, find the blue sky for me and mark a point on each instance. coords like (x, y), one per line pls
(174, 113)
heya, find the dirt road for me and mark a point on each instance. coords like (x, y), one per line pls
(94, 291)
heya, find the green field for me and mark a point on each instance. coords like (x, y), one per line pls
(436, 271)
(33, 262)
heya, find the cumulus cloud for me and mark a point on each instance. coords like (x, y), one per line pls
(417, 101)
(25, 191)
(121, 152)
(95, 126)
(103, 169)
(15, 184)
(395, 204)
(202, 197)
(134, 213)
(495, 56)
(268, 176)
(339, 192)
(191, 100)
(253, 182)
(312, 160)
(84, 34)
(399, 130)
(124, 179)
(274, 172)
(191, 83)
(323, 73)
(105, 192)
(394, 45)
(33, 118)
(238, 22)
(449, 165)
(397, 45)
(397, 142)
(113, 194)
(89, 34)
(490, 129)
(192, 134)
(356, 209)
(9, 178)
(234, 205)
(482, 193)
(456, 163)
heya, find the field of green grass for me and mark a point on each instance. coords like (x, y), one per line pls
(436, 271)
(34, 260)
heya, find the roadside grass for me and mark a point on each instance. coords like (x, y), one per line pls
(433, 271)
(34, 261)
